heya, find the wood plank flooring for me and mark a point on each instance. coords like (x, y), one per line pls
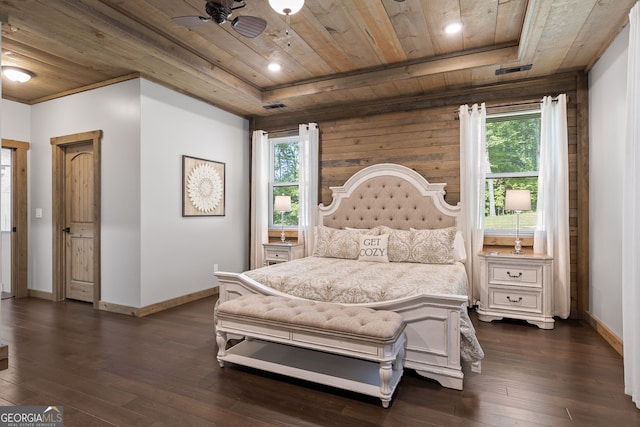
(109, 369)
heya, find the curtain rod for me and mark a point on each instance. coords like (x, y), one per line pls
(517, 104)
(285, 132)
(522, 103)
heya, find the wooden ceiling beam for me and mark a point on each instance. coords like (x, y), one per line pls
(535, 18)
(462, 61)
(502, 92)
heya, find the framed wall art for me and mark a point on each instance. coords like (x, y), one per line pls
(203, 187)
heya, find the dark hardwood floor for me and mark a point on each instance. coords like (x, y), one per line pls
(110, 369)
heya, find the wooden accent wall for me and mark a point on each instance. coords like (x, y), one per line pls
(427, 141)
(424, 134)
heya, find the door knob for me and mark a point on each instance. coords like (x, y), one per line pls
(67, 229)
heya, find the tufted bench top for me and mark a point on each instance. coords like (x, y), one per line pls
(329, 318)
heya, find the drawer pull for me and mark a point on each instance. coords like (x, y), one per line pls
(514, 276)
(514, 300)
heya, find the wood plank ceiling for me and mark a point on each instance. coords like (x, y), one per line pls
(338, 52)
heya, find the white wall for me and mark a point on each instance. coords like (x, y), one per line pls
(115, 110)
(16, 121)
(150, 253)
(607, 98)
(179, 253)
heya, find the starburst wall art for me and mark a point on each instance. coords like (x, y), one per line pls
(202, 187)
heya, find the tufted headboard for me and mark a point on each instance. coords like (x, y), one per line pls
(388, 194)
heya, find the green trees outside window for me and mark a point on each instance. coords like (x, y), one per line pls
(513, 151)
(285, 178)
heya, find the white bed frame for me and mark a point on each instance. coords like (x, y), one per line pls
(396, 196)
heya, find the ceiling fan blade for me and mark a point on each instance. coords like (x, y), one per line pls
(249, 26)
(190, 21)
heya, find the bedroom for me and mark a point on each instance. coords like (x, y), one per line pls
(143, 147)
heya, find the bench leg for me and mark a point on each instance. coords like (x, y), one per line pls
(386, 373)
(387, 370)
(221, 339)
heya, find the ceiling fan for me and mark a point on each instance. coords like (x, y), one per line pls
(220, 11)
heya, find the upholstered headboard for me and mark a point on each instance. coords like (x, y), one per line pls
(388, 194)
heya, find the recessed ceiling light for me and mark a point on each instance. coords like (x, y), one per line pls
(274, 66)
(16, 74)
(453, 28)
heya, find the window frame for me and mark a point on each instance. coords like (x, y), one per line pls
(497, 232)
(290, 139)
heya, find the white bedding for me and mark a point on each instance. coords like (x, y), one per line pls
(352, 282)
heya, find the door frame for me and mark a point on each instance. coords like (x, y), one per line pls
(20, 217)
(58, 147)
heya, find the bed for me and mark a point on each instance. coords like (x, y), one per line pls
(384, 206)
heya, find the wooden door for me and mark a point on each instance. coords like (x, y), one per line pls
(79, 225)
(76, 216)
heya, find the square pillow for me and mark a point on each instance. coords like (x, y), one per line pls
(336, 243)
(459, 252)
(374, 248)
(422, 246)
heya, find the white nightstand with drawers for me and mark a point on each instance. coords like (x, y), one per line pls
(281, 252)
(517, 287)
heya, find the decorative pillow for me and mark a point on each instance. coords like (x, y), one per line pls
(423, 246)
(373, 248)
(336, 243)
(459, 252)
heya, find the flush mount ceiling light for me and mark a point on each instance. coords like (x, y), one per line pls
(453, 28)
(286, 7)
(16, 74)
(274, 66)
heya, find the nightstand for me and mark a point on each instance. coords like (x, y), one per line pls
(517, 287)
(281, 252)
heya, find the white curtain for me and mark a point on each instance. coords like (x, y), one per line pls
(473, 160)
(630, 209)
(259, 199)
(308, 181)
(552, 221)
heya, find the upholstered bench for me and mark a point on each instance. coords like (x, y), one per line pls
(350, 347)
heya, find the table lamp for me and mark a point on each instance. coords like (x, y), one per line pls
(282, 204)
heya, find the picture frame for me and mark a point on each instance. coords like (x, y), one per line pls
(203, 187)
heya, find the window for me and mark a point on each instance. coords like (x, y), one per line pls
(5, 190)
(285, 168)
(513, 151)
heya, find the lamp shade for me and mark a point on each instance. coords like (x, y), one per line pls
(282, 204)
(286, 7)
(518, 200)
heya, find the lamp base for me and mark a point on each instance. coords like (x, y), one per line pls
(282, 237)
(517, 250)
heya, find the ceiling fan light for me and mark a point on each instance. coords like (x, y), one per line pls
(16, 74)
(286, 7)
